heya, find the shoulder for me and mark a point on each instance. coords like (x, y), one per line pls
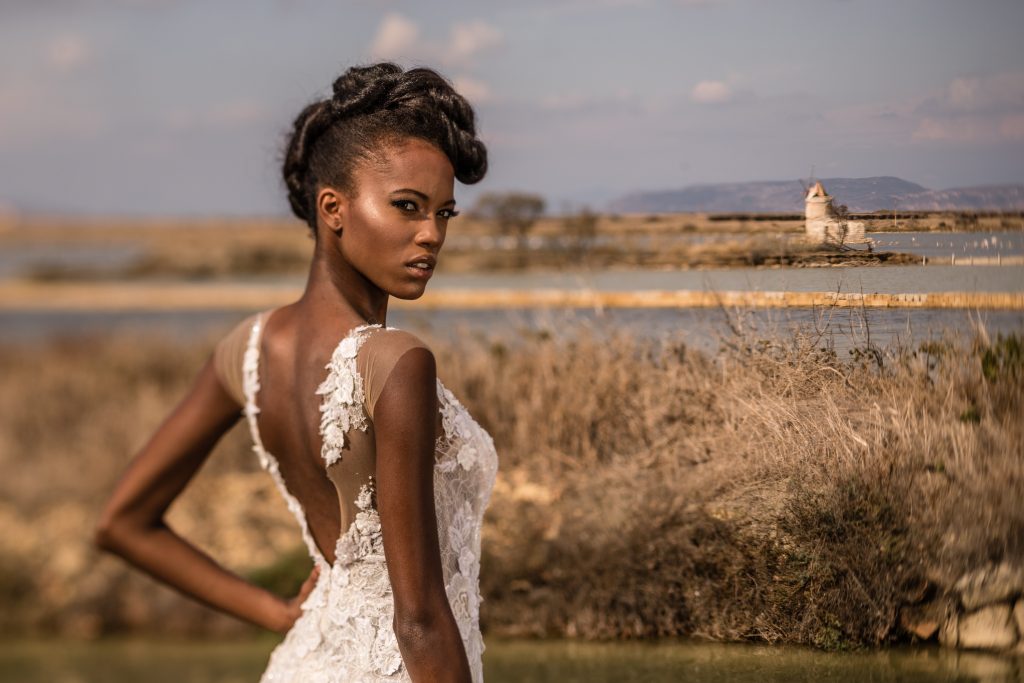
(389, 343)
(229, 354)
(397, 356)
(233, 343)
(384, 347)
(243, 327)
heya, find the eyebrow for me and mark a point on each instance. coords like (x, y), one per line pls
(420, 195)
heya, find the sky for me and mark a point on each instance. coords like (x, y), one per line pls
(164, 107)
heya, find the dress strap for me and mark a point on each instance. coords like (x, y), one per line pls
(251, 386)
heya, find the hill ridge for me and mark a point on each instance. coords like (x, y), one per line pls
(872, 193)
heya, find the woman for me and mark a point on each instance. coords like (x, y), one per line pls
(386, 473)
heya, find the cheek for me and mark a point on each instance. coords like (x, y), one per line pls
(372, 241)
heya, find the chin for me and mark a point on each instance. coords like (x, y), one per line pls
(409, 293)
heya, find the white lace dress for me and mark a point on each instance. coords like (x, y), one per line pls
(345, 633)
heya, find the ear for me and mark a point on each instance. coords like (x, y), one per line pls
(332, 207)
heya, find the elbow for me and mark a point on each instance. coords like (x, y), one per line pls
(108, 534)
(432, 646)
(104, 535)
(419, 630)
(411, 629)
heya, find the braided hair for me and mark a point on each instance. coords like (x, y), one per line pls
(373, 105)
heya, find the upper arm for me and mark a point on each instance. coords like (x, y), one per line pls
(405, 426)
(173, 453)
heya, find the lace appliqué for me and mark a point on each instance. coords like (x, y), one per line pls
(363, 536)
(342, 406)
(460, 430)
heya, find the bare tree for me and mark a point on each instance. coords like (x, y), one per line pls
(842, 218)
(514, 212)
(580, 231)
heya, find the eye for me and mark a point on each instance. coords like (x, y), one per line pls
(448, 213)
(406, 205)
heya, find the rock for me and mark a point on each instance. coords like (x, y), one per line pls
(924, 620)
(949, 634)
(922, 629)
(1018, 616)
(989, 628)
(990, 585)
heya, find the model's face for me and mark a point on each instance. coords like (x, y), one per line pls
(392, 229)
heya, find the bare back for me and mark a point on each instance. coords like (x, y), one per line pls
(292, 364)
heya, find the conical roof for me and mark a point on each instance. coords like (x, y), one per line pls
(817, 191)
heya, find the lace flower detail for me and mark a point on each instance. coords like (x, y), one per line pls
(342, 407)
(364, 536)
(467, 456)
(385, 655)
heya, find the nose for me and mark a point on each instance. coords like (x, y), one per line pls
(431, 233)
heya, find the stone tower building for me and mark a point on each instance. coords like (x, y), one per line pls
(823, 224)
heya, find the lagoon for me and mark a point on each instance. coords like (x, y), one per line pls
(701, 328)
(513, 661)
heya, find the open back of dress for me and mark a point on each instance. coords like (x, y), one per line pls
(346, 632)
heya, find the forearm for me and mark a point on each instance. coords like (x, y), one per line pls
(169, 558)
(432, 649)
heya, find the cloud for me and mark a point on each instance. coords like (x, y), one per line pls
(398, 37)
(711, 92)
(974, 109)
(971, 128)
(989, 93)
(1012, 127)
(576, 102)
(468, 39)
(219, 115)
(37, 111)
(474, 90)
(68, 52)
(978, 110)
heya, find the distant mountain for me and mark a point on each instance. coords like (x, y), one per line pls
(787, 196)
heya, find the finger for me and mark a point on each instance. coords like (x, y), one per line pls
(310, 582)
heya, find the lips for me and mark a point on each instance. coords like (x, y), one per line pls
(422, 266)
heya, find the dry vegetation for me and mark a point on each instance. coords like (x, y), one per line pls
(772, 492)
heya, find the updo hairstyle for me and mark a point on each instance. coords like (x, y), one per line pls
(372, 105)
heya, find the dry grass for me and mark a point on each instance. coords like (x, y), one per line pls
(772, 492)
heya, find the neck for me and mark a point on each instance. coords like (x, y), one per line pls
(334, 289)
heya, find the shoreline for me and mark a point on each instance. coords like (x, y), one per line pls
(136, 296)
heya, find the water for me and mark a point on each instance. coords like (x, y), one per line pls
(701, 328)
(869, 279)
(882, 279)
(18, 260)
(933, 244)
(514, 662)
(939, 244)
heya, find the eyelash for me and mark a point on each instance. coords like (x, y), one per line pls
(404, 204)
